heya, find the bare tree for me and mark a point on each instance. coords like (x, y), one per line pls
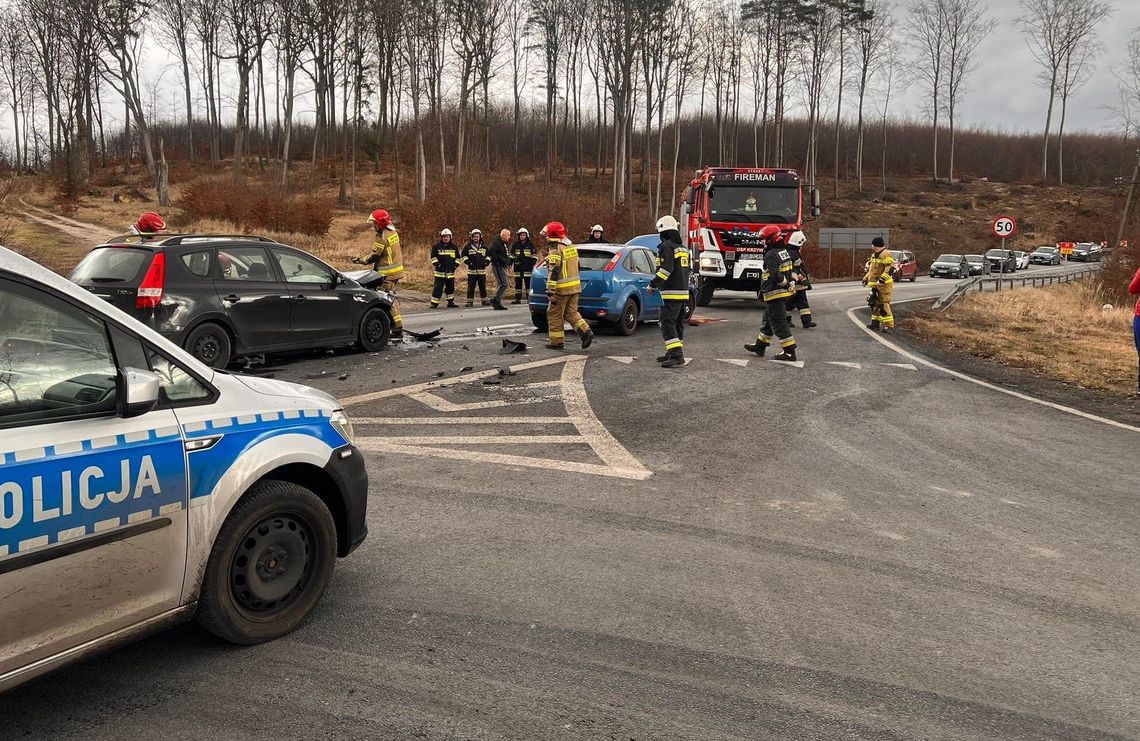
(966, 26)
(685, 61)
(927, 34)
(549, 21)
(417, 22)
(517, 26)
(873, 28)
(819, 28)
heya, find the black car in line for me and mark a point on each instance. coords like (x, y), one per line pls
(223, 296)
(1002, 261)
(950, 266)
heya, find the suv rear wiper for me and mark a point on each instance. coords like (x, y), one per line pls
(107, 280)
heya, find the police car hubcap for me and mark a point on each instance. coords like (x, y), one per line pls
(272, 564)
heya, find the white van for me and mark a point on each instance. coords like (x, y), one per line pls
(139, 487)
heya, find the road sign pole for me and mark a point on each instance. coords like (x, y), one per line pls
(1001, 265)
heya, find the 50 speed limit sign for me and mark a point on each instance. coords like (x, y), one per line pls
(1004, 227)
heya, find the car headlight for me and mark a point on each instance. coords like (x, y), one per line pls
(710, 263)
(342, 424)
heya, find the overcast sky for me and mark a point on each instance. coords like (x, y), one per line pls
(1004, 92)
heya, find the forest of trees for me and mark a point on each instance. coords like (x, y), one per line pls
(632, 90)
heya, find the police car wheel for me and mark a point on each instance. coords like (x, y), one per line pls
(210, 344)
(270, 564)
(375, 330)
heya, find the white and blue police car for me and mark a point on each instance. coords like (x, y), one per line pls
(139, 488)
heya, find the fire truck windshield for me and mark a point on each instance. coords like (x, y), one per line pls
(749, 204)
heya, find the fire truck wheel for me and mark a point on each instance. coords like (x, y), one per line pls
(705, 288)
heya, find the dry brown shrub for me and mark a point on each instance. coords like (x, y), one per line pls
(257, 206)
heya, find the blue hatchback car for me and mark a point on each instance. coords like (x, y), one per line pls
(615, 287)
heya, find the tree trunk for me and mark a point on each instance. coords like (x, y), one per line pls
(839, 106)
(1061, 141)
(162, 182)
(1048, 125)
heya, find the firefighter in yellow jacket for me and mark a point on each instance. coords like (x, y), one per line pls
(563, 289)
(881, 278)
(387, 259)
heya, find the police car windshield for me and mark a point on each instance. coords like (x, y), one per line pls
(949, 258)
(753, 205)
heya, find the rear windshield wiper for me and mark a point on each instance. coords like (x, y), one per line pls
(106, 280)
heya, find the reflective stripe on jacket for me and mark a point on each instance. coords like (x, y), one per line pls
(882, 266)
(672, 277)
(777, 281)
(445, 259)
(563, 262)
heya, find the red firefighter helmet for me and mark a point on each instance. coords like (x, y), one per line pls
(150, 223)
(380, 218)
(769, 233)
(554, 231)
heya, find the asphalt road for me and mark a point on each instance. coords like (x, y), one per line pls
(861, 547)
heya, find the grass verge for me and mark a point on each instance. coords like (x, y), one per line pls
(1061, 332)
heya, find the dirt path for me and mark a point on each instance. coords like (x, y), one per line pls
(86, 234)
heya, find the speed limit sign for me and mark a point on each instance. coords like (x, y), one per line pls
(1004, 227)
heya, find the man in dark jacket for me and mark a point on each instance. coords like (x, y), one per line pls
(672, 280)
(500, 258)
(523, 259)
(475, 258)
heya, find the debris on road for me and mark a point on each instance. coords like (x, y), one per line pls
(342, 377)
(506, 372)
(512, 346)
(425, 336)
(440, 374)
(491, 382)
(466, 368)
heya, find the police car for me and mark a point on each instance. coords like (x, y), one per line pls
(139, 488)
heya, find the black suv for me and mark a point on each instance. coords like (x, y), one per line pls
(222, 296)
(1002, 261)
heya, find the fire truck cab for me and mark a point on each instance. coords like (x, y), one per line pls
(724, 208)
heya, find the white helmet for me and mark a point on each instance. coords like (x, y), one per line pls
(523, 230)
(475, 231)
(597, 228)
(665, 223)
(445, 233)
(797, 239)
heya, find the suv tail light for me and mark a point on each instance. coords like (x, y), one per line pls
(612, 263)
(150, 290)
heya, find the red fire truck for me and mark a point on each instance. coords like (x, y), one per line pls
(725, 207)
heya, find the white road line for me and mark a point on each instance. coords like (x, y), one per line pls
(383, 446)
(591, 428)
(907, 366)
(623, 359)
(734, 361)
(845, 364)
(956, 374)
(445, 382)
(483, 439)
(358, 421)
(440, 404)
(796, 363)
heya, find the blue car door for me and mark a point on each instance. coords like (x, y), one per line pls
(641, 266)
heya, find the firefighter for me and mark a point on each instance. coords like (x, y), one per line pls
(475, 258)
(149, 224)
(563, 289)
(387, 259)
(881, 278)
(672, 279)
(778, 285)
(597, 235)
(799, 302)
(522, 261)
(444, 261)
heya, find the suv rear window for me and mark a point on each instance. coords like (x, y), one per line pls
(112, 265)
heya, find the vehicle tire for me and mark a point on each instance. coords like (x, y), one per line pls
(539, 322)
(210, 344)
(627, 322)
(690, 308)
(914, 277)
(375, 330)
(270, 564)
(705, 289)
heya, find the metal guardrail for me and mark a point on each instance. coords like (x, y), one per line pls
(980, 282)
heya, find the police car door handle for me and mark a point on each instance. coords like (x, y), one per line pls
(233, 298)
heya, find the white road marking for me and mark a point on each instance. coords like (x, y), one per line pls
(688, 360)
(956, 374)
(454, 381)
(907, 366)
(796, 363)
(485, 439)
(462, 420)
(734, 361)
(616, 460)
(623, 359)
(845, 364)
(440, 404)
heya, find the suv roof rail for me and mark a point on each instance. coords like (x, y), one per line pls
(175, 239)
(181, 238)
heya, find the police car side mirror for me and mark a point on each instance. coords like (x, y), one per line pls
(138, 392)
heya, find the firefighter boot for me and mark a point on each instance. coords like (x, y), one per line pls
(787, 354)
(518, 298)
(470, 302)
(807, 322)
(673, 361)
(662, 358)
(874, 325)
(397, 336)
(451, 304)
(485, 302)
(757, 347)
(587, 338)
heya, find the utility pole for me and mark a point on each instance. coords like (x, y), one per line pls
(1128, 200)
